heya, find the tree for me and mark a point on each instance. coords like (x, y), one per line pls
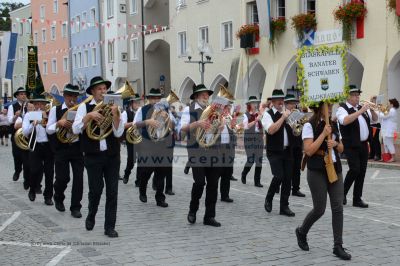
(5, 9)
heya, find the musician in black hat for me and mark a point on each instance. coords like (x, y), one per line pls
(66, 153)
(279, 152)
(41, 157)
(152, 156)
(129, 113)
(101, 157)
(18, 109)
(253, 140)
(354, 126)
(199, 157)
(297, 146)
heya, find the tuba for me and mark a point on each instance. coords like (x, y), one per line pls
(20, 140)
(225, 93)
(161, 115)
(65, 135)
(105, 126)
(296, 121)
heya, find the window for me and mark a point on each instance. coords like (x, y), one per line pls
(73, 25)
(133, 6)
(42, 12)
(35, 38)
(79, 59)
(54, 66)
(280, 8)
(14, 27)
(180, 3)
(84, 20)
(55, 6)
(21, 28)
(15, 79)
(94, 56)
(182, 43)
(78, 24)
(22, 80)
(45, 67)
(111, 52)
(252, 13)
(64, 30)
(93, 16)
(310, 8)
(134, 49)
(110, 8)
(21, 53)
(43, 35)
(53, 32)
(65, 64)
(203, 35)
(85, 58)
(75, 61)
(227, 37)
(27, 28)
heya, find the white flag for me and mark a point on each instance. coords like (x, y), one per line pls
(264, 17)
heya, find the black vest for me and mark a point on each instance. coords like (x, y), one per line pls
(16, 107)
(130, 115)
(316, 162)
(195, 115)
(275, 142)
(147, 112)
(351, 132)
(89, 146)
(250, 134)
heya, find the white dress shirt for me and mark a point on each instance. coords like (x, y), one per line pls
(225, 138)
(27, 128)
(185, 119)
(308, 133)
(51, 127)
(267, 122)
(10, 113)
(246, 124)
(342, 113)
(77, 126)
(389, 123)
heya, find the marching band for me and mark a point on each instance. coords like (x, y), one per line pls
(88, 135)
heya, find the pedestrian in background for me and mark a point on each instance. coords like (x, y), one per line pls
(4, 127)
(389, 127)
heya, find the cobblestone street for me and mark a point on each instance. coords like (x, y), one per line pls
(36, 234)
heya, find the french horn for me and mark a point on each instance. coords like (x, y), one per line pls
(238, 116)
(133, 135)
(20, 140)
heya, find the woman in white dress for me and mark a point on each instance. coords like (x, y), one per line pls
(389, 127)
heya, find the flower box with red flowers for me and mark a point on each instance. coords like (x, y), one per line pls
(247, 35)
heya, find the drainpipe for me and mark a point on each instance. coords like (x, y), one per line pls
(143, 53)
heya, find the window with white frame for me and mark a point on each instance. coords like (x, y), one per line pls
(79, 59)
(110, 52)
(182, 43)
(35, 38)
(54, 66)
(280, 8)
(110, 8)
(309, 6)
(84, 20)
(45, 67)
(21, 28)
(74, 61)
(72, 25)
(42, 12)
(133, 7)
(27, 28)
(15, 79)
(227, 35)
(85, 58)
(203, 35)
(43, 35)
(180, 3)
(94, 56)
(55, 6)
(21, 53)
(53, 32)
(65, 64)
(14, 27)
(22, 80)
(93, 16)
(78, 24)
(134, 49)
(64, 30)
(252, 13)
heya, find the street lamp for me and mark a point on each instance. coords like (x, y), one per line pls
(204, 51)
(81, 80)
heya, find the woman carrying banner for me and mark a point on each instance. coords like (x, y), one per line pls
(314, 135)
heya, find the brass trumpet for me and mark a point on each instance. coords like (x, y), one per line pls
(376, 107)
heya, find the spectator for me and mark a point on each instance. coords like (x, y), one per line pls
(4, 127)
(389, 127)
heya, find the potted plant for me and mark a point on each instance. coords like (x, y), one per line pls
(303, 23)
(347, 14)
(392, 7)
(247, 35)
(278, 26)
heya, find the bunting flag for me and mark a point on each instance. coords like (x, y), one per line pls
(359, 23)
(398, 8)
(264, 17)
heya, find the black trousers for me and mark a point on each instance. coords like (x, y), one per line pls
(169, 170)
(103, 168)
(357, 158)
(297, 157)
(375, 144)
(42, 161)
(17, 156)
(201, 177)
(254, 147)
(144, 174)
(130, 163)
(62, 160)
(228, 152)
(281, 167)
(26, 166)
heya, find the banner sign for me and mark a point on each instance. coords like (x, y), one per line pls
(322, 74)
(31, 72)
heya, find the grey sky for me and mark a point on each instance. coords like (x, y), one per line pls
(16, 1)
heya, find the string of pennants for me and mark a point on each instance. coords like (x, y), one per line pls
(83, 23)
(101, 42)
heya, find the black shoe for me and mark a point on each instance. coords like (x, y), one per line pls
(125, 179)
(186, 170)
(89, 223)
(38, 190)
(298, 193)
(26, 186)
(258, 185)
(268, 205)
(340, 252)
(360, 204)
(302, 240)
(76, 214)
(60, 206)
(15, 177)
(143, 198)
(111, 233)
(162, 204)
(227, 200)
(344, 201)
(286, 211)
(48, 202)
(243, 180)
(233, 178)
(191, 217)
(169, 192)
(211, 222)
(32, 195)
